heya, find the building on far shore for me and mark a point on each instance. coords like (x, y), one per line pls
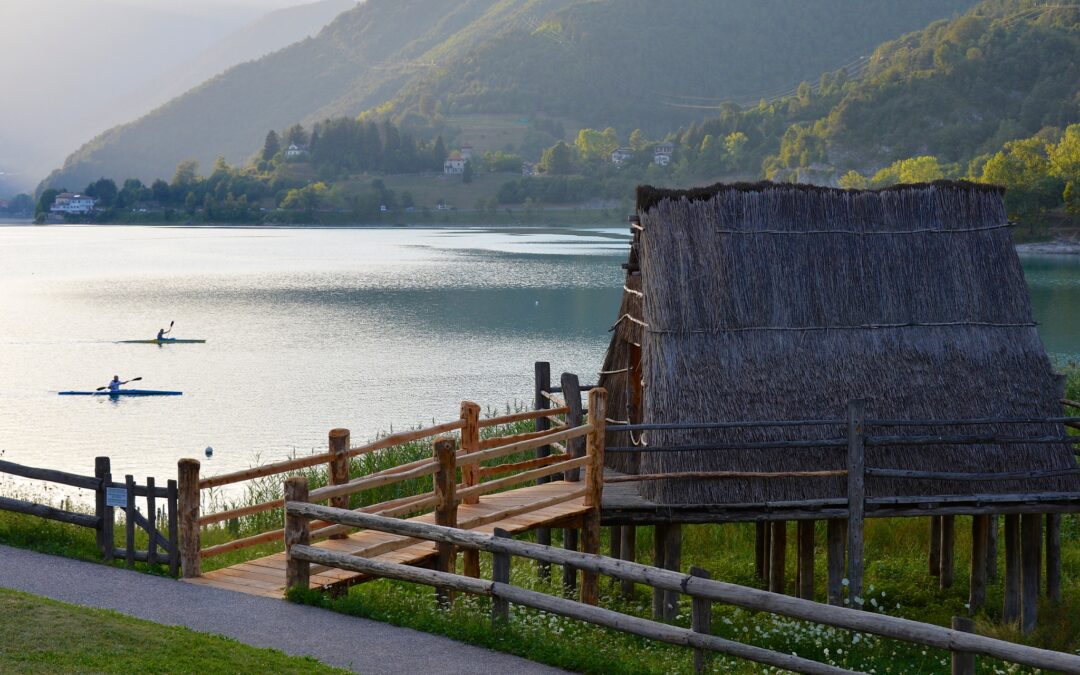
(454, 164)
(296, 150)
(67, 202)
(662, 153)
(620, 156)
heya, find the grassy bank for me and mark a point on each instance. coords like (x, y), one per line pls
(43, 636)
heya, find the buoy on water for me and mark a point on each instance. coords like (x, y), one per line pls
(209, 452)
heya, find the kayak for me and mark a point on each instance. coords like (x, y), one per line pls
(123, 392)
(164, 341)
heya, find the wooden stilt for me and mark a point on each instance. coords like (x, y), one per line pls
(948, 550)
(659, 541)
(766, 545)
(629, 552)
(1053, 556)
(615, 541)
(760, 528)
(1011, 606)
(569, 574)
(1030, 548)
(980, 526)
(806, 560)
(992, 550)
(836, 536)
(673, 562)
(701, 622)
(935, 545)
(777, 559)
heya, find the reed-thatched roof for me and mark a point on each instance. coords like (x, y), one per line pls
(781, 302)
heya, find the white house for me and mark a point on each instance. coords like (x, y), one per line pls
(67, 202)
(620, 156)
(296, 150)
(528, 169)
(454, 164)
(662, 153)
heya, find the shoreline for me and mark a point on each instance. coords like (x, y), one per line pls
(1055, 247)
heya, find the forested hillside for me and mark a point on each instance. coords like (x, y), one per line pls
(629, 63)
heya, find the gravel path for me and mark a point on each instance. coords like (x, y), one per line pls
(349, 642)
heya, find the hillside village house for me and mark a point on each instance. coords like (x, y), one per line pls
(662, 153)
(454, 165)
(296, 150)
(67, 202)
(620, 156)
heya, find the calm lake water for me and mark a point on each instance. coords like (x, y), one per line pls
(308, 330)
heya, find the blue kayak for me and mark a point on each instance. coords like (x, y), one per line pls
(123, 392)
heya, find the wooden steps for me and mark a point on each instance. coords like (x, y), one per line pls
(516, 511)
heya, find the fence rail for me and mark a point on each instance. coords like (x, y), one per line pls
(960, 643)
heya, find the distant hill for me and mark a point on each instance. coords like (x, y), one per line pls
(629, 63)
(957, 89)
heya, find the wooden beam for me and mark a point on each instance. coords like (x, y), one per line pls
(187, 499)
(806, 559)
(445, 511)
(836, 535)
(760, 528)
(659, 551)
(297, 533)
(948, 552)
(1011, 601)
(963, 663)
(629, 552)
(856, 494)
(1053, 557)
(992, 549)
(777, 555)
(980, 526)
(1030, 548)
(673, 562)
(339, 468)
(701, 622)
(935, 546)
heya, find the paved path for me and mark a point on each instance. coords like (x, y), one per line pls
(361, 645)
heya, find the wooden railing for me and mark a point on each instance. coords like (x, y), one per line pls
(161, 547)
(341, 487)
(1021, 595)
(703, 591)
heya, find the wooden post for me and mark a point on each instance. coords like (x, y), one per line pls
(701, 622)
(1030, 548)
(594, 490)
(105, 540)
(629, 552)
(615, 541)
(673, 562)
(948, 552)
(571, 391)
(470, 475)
(151, 518)
(542, 383)
(836, 536)
(129, 521)
(297, 531)
(339, 469)
(188, 505)
(856, 466)
(767, 560)
(963, 663)
(1053, 556)
(806, 559)
(569, 573)
(500, 574)
(992, 550)
(778, 555)
(935, 545)
(174, 530)
(760, 530)
(445, 511)
(1011, 605)
(659, 541)
(980, 526)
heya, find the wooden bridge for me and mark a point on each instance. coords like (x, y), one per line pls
(514, 483)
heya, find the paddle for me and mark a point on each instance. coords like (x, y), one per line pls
(134, 379)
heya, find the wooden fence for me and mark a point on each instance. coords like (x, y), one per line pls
(162, 547)
(703, 591)
(472, 451)
(1022, 519)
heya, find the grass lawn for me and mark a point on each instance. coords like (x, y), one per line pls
(43, 636)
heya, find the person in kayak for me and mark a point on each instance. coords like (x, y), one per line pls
(114, 386)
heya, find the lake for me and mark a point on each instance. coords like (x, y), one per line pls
(310, 329)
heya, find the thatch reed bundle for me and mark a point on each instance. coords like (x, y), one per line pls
(785, 302)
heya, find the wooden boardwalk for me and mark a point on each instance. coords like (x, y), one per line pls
(266, 576)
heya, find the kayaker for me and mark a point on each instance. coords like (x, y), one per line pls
(114, 386)
(161, 333)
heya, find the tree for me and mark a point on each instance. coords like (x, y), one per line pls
(160, 190)
(853, 180)
(923, 169)
(45, 202)
(558, 160)
(1023, 167)
(296, 135)
(438, 154)
(104, 191)
(1064, 159)
(593, 145)
(271, 146)
(467, 175)
(21, 203)
(187, 174)
(638, 141)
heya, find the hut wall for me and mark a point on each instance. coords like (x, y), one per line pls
(785, 302)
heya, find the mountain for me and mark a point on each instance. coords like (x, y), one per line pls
(266, 34)
(957, 89)
(628, 63)
(60, 85)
